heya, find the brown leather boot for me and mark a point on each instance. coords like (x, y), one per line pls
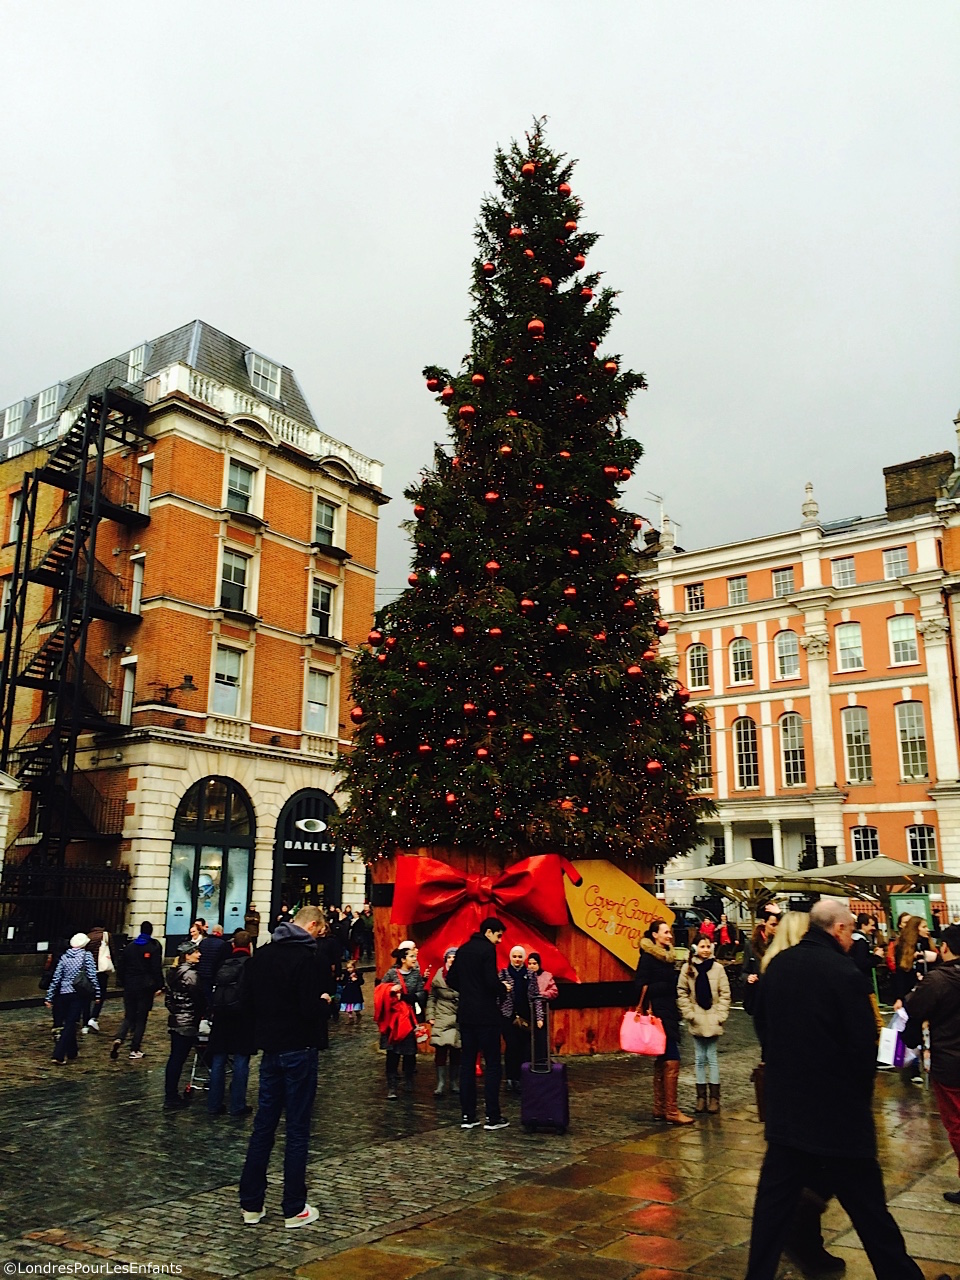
(671, 1078)
(701, 1098)
(714, 1104)
(659, 1098)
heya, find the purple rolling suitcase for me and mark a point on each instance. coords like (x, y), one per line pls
(544, 1096)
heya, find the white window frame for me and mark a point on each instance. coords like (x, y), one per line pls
(703, 770)
(780, 590)
(698, 673)
(746, 755)
(137, 563)
(890, 570)
(324, 729)
(864, 843)
(48, 402)
(843, 571)
(857, 749)
(317, 586)
(137, 363)
(146, 484)
(694, 598)
(737, 590)
(13, 417)
(128, 690)
(904, 650)
(318, 528)
(6, 597)
(793, 758)
(786, 646)
(222, 680)
(912, 741)
(247, 584)
(16, 515)
(846, 653)
(249, 495)
(919, 857)
(740, 646)
(265, 376)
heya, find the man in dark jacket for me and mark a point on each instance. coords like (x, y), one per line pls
(186, 1005)
(515, 1017)
(140, 973)
(818, 1035)
(474, 974)
(936, 1000)
(283, 992)
(231, 1035)
(214, 949)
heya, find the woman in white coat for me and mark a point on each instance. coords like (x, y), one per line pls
(703, 995)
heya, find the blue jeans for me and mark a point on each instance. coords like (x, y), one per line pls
(66, 1011)
(485, 1040)
(705, 1060)
(238, 1082)
(288, 1082)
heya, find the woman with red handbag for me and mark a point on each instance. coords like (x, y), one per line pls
(656, 985)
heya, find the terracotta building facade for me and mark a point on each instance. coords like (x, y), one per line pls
(826, 660)
(248, 584)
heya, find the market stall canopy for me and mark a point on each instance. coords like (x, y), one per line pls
(879, 871)
(749, 882)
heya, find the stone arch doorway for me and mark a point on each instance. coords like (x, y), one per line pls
(211, 862)
(307, 863)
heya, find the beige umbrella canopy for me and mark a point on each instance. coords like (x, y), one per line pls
(874, 878)
(749, 883)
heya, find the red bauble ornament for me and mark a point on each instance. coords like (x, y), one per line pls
(478, 379)
(450, 798)
(574, 551)
(526, 737)
(545, 282)
(610, 366)
(482, 752)
(648, 655)
(379, 740)
(561, 629)
(506, 450)
(534, 379)
(629, 604)
(579, 261)
(512, 413)
(622, 577)
(638, 522)
(445, 557)
(508, 361)
(498, 670)
(528, 253)
(661, 626)
(574, 759)
(498, 813)
(391, 642)
(374, 637)
(689, 718)
(451, 743)
(491, 496)
(535, 326)
(491, 715)
(585, 809)
(381, 657)
(570, 227)
(593, 345)
(682, 693)
(492, 566)
(357, 714)
(580, 398)
(600, 635)
(425, 748)
(586, 294)
(653, 767)
(567, 805)
(419, 510)
(564, 189)
(446, 395)
(432, 384)
(467, 412)
(528, 169)
(488, 269)
(538, 487)
(469, 708)
(495, 631)
(586, 537)
(423, 666)
(625, 473)
(635, 672)
(526, 604)
(515, 233)
(459, 630)
(613, 472)
(413, 579)
(564, 453)
(570, 592)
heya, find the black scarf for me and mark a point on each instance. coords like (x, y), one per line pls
(702, 989)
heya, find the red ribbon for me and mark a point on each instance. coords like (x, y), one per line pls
(426, 889)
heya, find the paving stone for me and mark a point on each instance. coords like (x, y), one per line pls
(659, 1251)
(647, 1186)
(683, 1223)
(365, 1264)
(511, 1259)
(584, 1269)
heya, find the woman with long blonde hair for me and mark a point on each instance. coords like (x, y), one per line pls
(793, 925)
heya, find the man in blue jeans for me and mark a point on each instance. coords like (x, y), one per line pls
(475, 975)
(283, 993)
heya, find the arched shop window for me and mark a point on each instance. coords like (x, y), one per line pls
(211, 865)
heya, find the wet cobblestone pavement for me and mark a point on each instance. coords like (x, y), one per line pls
(93, 1171)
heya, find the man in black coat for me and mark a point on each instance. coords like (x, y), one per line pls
(140, 973)
(819, 1039)
(474, 974)
(283, 993)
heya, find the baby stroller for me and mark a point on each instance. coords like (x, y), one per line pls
(200, 1066)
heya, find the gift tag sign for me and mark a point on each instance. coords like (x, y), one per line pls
(613, 909)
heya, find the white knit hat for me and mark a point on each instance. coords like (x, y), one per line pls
(79, 940)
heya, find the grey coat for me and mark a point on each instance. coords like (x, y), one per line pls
(442, 1012)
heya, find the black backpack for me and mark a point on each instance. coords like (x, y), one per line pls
(229, 986)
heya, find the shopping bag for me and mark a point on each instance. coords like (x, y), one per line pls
(903, 1057)
(642, 1033)
(887, 1048)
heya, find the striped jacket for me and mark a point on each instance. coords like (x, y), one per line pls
(71, 962)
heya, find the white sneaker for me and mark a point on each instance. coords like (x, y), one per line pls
(93, 1025)
(84, 1031)
(496, 1124)
(252, 1216)
(307, 1215)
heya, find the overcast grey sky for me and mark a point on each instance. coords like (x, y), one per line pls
(776, 185)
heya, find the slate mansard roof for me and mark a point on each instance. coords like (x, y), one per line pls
(199, 345)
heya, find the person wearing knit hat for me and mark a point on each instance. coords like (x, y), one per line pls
(442, 1019)
(74, 977)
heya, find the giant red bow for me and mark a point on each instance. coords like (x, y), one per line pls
(426, 888)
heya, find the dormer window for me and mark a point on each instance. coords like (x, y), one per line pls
(264, 376)
(12, 419)
(47, 403)
(136, 363)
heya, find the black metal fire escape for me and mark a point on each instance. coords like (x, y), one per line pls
(50, 655)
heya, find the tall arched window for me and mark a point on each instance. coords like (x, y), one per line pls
(865, 842)
(741, 661)
(698, 667)
(922, 847)
(791, 750)
(787, 649)
(745, 749)
(211, 863)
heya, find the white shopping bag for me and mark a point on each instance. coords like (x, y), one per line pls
(887, 1047)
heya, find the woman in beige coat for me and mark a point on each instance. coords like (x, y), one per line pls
(703, 994)
(442, 1019)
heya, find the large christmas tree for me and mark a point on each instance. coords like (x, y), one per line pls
(512, 697)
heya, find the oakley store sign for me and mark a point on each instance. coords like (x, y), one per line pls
(308, 863)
